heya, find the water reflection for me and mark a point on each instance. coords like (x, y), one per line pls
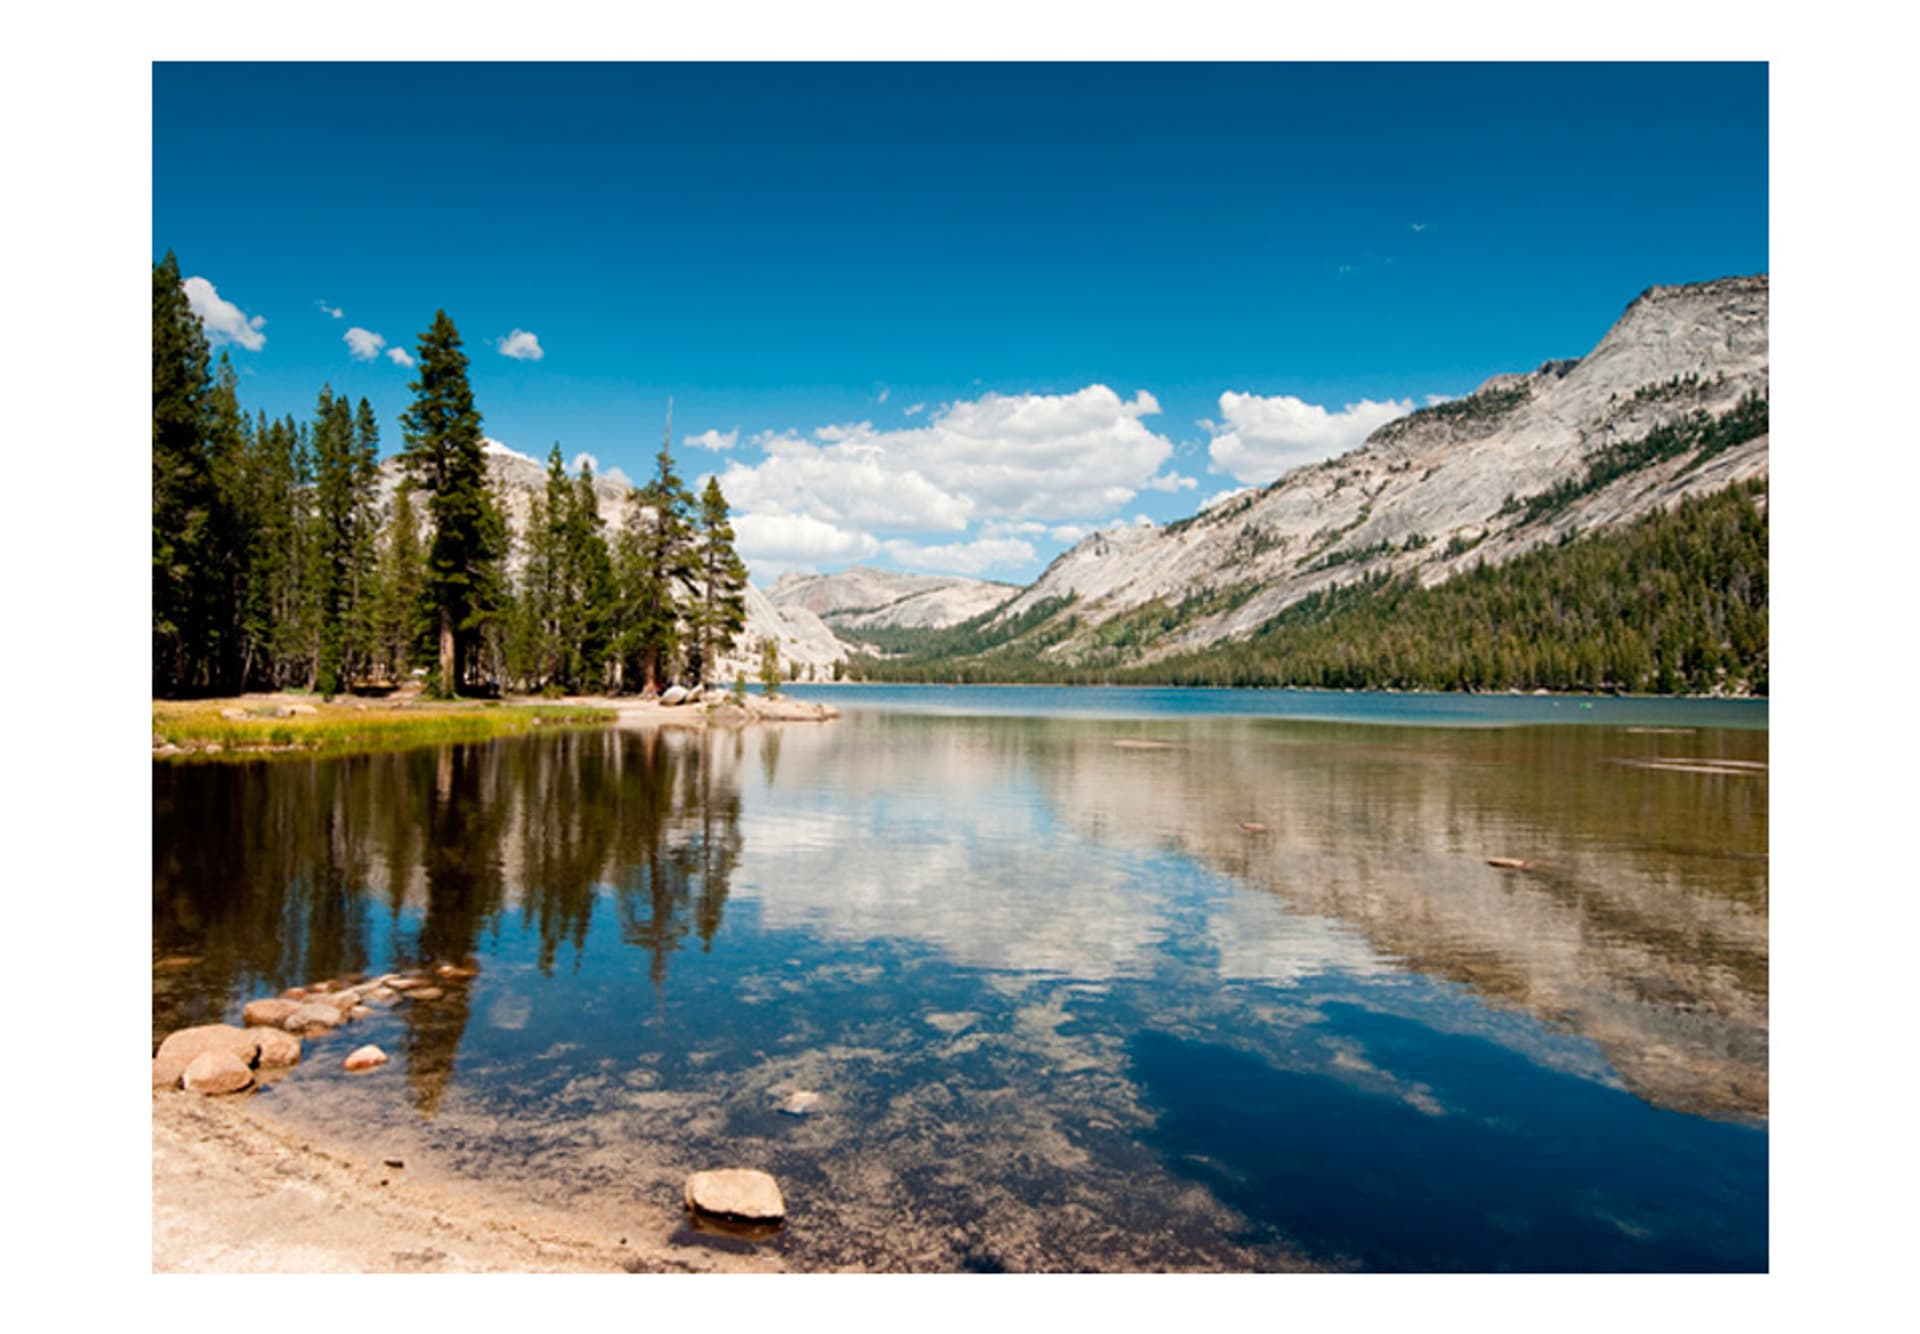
(268, 875)
(1147, 994)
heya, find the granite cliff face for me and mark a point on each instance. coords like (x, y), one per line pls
(1442, 489)
(863, 598)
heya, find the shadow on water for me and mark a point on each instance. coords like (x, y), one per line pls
(1517, 1168)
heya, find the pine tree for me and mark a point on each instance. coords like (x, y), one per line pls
(720, 613)
(401, 611)
(654, 559)
(184, 493)
(444, 454)
(769, 668)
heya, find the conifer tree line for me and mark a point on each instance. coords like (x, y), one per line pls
(281, 561)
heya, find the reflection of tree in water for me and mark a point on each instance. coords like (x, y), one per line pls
(267, 873)
(464, 819)
(678, 847)
(259, 873)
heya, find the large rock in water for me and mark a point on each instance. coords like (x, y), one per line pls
(180, 1048)
(269, 1013)
(276, 1047)
(216, 1071)
(312, 1016)
(736, 1192)
(365, 1058)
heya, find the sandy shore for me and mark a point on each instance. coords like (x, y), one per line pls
(635, 712)
(234, 1192)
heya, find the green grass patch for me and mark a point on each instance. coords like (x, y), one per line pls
(201, 729)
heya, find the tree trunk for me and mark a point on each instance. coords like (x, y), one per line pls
(449, 664)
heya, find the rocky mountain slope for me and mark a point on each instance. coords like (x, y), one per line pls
(864, 598)
(1666, 405)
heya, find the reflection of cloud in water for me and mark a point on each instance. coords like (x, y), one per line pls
(997, 893)
(1258, 940)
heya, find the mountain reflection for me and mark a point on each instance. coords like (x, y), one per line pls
(274, 875)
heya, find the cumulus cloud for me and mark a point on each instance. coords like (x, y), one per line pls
(913, 409)
(583, 458)
(521, 346)
(334, 311)
(364, 344)
(399, 356)
(1263, 437)
(1041, 456)
(774, 542)
(1170, 483)
(224, 322)
(714, 440)
(969, 558)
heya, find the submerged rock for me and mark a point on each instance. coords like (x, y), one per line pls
(736, 1192)
(801, 1103)
(426, 993)
(364, 1058)
(1506, 863)
(216, 1071)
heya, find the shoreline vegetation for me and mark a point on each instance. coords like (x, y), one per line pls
(252, 726)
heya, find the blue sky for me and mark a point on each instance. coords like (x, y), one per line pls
(944, 316)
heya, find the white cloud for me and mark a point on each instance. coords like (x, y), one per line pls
(1170, 483)
(913, 409)
(334, 311)
(488, 445)
(364, 344)
(1221, 497)
(884, 394)
(773, 542)
(586, 458)
(224, 322)
(1041, 456)
(969, 558)
(1267, 436)
(399, 356)
(1070, 533)
(521, 346)
(714, 440)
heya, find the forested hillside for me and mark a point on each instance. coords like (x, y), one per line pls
(1675, 602)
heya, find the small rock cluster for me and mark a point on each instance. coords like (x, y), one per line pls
(220, 1058)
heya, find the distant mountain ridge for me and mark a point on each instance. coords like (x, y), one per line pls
(1527, 459)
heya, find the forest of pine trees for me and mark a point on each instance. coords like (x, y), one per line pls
(280, 561)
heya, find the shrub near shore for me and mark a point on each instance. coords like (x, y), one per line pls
(267, 724)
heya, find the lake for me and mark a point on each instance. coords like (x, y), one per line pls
(1086, 979)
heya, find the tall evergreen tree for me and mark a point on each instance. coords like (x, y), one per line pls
(444, 453)
(720, 611)
(184, 493)
(655, 558)
(401, 609)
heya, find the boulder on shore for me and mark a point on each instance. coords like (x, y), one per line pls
(673, 695)
(216, 1071)
(180, 1048)
(736, 1192)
